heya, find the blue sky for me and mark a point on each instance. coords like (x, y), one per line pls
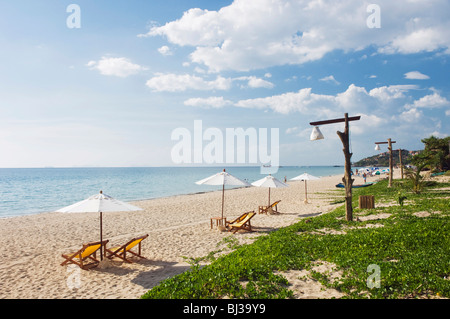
(112, 92)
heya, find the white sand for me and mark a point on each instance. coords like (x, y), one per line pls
(177, 226)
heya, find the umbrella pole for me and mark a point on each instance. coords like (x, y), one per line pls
(269, 198)
(223, 195)
(306, 193)
(101, 236)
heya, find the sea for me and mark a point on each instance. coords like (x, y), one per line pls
(25, 191)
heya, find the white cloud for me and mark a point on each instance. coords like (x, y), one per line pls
(355, 99)
(174, 83)
(430, 101)
(121, 67)
(422, 40)
(165, 50)
(254, 82)
(367, 121)
(330, 79)
(392, 92)
(210, 102)
(437, 134)
(416, 75)
(378, 107)
(292, 130)
(303, 101)
(410, 116)
(250, 34)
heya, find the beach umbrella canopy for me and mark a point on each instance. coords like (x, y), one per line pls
(305, 177)
(270, 182)
(99, 203)
(223, 178)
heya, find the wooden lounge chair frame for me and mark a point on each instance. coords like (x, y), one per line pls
(87, 253)
(272, 209)
(122, 251)
(242, 222)
(238, 219)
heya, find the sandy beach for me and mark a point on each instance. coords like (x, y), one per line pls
(177, 226)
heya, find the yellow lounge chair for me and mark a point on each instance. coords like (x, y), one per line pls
(88, 251)
(121, 251)
(238, 219)
(270, 209)
(242, 223)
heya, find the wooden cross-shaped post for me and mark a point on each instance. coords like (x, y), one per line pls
(401, 161)
(348, 181)
(391, 161)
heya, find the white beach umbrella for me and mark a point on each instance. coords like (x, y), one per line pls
(99, 203)
(222, 178)
(305, 177)
(270, 182)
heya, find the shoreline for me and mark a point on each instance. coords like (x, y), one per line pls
(154, 198)
(178, 227)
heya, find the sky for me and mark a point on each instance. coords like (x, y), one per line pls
(127, 83)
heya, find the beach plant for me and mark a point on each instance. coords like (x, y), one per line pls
(415, 178)
(401, 198)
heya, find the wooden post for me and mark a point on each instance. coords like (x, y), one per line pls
(306, 193)
(223, 195)
(101, 236)
(401, 161)
(391, 169)
(348, 181)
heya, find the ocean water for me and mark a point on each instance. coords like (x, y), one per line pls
(25, 191)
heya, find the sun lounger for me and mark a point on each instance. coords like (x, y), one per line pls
(87, 252)
(272, 209)
(242, 223)
(121, 251)
(238, 219)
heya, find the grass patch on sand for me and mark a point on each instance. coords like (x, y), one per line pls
(410, 246)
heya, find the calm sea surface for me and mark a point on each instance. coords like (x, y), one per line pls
(25, 191)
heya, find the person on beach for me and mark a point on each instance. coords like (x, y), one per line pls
(364, 176)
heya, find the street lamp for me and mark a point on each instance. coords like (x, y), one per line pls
(391, 169)
(316, 134)
(348, 181)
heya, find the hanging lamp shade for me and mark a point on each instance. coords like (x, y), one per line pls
(316, 134)
(377, 147)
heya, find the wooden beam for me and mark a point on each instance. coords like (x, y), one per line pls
(354, 118)
(385, 142)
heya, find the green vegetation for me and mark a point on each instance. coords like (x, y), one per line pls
(411, 252)
(382, 159)
(435, 156)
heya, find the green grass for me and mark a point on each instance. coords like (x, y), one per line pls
(412, 253)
